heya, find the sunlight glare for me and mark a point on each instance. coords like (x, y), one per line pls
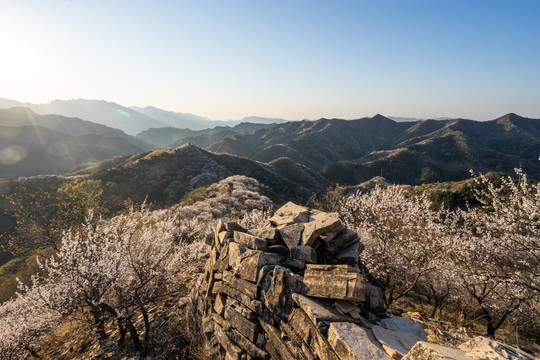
(12, 155)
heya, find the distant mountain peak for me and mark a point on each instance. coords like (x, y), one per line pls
(380, 117)
(511, 116)
(20, 110)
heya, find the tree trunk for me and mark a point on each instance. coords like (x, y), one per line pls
(146, 321)
(134, 336)
(122, 330)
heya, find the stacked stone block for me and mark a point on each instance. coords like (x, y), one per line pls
(272, 292)
(294, 288)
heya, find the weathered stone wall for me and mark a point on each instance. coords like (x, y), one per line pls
(295, 288)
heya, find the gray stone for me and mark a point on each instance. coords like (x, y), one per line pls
(251, 349)
(401, 324)
(263, 272)
(216, 288)
(277, 289)
(243, 286)
(335, 282)
(321, 215)
(233, 351)
(329, 236)
(270, 234)
(246, 262)
(345, 307)
(298, 343)
(252, 304)
(290, 213)
(274, 343)
(303, 326)
(292, 234)
(341, 241)
(483, 348)
(295, 265)
(241, 309)
(317, 311)
(352, 342)
(395, 343)
(250, 241)
(278, 249)
(224, 236)
(244, 326)
(304, 253)
(375, 299)
(233, 227)
(315, 228)
(220, 226)
(222, 262)
(351, 254)
(219, 304)
(426, 351)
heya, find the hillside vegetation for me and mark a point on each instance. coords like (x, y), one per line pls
(112, 287)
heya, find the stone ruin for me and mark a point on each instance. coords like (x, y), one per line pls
(295, 288)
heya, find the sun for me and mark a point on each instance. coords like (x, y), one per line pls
(26, 53)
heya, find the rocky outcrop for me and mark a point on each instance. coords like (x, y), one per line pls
(478, 348)
(295, 288)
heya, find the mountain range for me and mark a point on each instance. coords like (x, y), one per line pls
(353, 151)
(131, 120)
(33, 144)
(322, 151)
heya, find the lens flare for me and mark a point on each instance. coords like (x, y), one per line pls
(123, 112)
(57, 149)
(12, 155)
(10, 131)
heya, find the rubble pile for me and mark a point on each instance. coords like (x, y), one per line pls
(295, 288)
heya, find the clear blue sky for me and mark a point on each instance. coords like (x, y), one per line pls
(293, 59)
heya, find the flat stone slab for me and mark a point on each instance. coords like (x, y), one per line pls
(351, 253)
(290, 213)
(481, 347)
(270, 234)
(250, 303)
(251, 241)
(318, 227)
(395, 343)
(305, 253)
(352, 342)
(233, 351)
(335, 282)
(247, 262)
(401, 324)
(244, 326)
(341, 241)
(317, 311)
(303, 326)
(241, 285)
(273, 338)
(277, 289)
(345, 307)
(241, 309)
(423, 350)
(292, 234)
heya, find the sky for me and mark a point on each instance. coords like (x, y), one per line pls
(292, 59)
